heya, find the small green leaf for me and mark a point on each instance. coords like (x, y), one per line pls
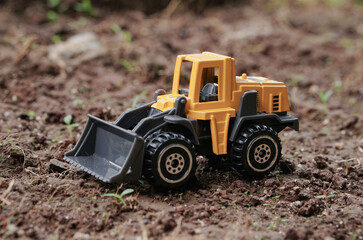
(56, 38)
(84, 7)
(112, 195)
(345, 160)
(127, 36)
(116, 28)
(78, 103)
(31, 115)
(68, 119)
(136, 99)
(126, 64)
(320, 196)
(127, 191)
(324, 97)
(296, 79)
(52, 16)
(53, 3)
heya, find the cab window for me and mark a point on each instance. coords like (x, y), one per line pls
(209, 85)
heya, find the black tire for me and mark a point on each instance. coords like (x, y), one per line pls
(256, 151)
(170, 160)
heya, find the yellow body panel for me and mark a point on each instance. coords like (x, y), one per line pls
(165, 102)
(272, 95)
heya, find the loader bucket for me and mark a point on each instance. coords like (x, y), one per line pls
(108, 152)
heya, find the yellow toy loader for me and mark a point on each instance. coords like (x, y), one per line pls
(216, 114)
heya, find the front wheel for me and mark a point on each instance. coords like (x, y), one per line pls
(256, 150)
(170, 160)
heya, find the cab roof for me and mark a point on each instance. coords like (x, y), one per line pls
(203, 57)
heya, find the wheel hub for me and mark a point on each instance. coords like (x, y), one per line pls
(174, 163)
(262, 153)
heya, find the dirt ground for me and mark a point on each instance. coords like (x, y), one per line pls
(315, 47)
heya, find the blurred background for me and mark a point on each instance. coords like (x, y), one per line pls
(313, 45)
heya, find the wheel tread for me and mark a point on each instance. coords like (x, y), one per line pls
(153, 142)
(237, 147)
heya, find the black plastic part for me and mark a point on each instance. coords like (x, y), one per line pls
(153, 123)
(159, 92)
(179, 105)
(184, 91)
(108, 152)
(150, 124)
(209, 93)
(248, 104)
(247, 115)
(278, 123)
(129, 118)
(188, 123)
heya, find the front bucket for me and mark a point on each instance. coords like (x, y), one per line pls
(108, 152)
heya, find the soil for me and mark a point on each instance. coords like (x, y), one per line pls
(316, 192)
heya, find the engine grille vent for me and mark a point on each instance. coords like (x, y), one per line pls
(276, 103)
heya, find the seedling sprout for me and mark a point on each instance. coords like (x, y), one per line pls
(70, 125)
(120, 196)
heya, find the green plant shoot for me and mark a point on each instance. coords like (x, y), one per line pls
(70, 125)
(136, 99)
(120, 196)
(324, 97)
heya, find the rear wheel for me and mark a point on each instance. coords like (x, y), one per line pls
(170, 160)
(256, 151)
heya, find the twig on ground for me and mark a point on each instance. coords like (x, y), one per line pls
(6, 193)
(26, 49)
(30, 171)
(178, 227)
(24, 158)
(59, 187)
(171, 8)
(359, 163)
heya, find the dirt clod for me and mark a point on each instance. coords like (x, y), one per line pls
(325, 175)
(350, 123)
(321, 162)
(310, 208)
(303, 234)
(272, 182)
(339, 182)
(287, 167)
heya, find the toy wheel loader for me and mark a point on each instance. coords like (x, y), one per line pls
(217, 114)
